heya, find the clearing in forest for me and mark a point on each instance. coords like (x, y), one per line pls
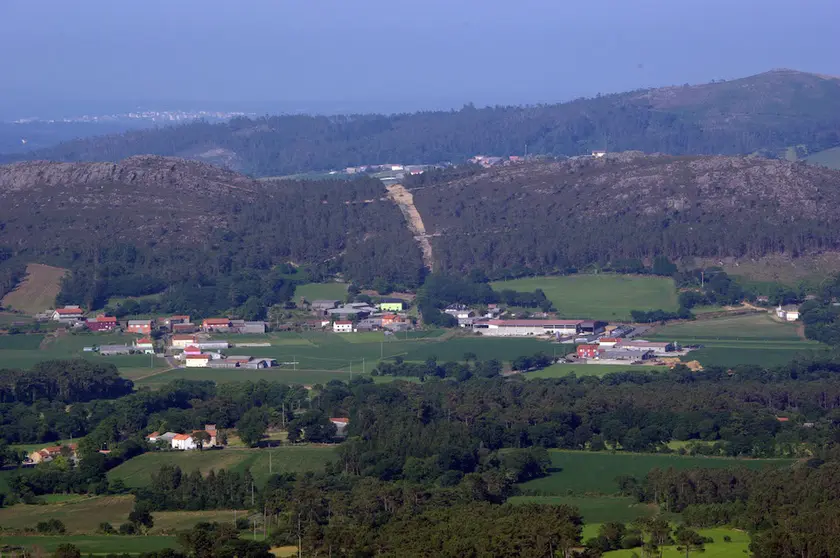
(605, 296)
(38, 289)
(405, 201)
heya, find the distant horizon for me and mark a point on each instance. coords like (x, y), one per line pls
(67, 108)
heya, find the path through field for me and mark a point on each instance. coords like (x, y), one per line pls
(405, 201)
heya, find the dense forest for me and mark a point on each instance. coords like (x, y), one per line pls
(214, 239)
(622, 210)
(764, 113)
(420, 458)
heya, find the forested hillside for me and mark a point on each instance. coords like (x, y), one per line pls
(551, 216)
(213, 237)
(765, 113)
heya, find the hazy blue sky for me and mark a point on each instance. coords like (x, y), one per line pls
(331, 55)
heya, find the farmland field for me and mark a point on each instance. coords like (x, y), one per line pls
(137, 471)
(37, 291)
(561, 370)
(79, 516)
(95, 544)
(321, 291)
(604, 297)
(595, 509)
(745, 339)
(580, 472)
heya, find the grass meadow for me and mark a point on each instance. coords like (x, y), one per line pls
(582, 473)
(744, 339)
(605, 296)
(321, 291)
(137, 472)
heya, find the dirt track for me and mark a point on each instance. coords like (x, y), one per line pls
(405, 201)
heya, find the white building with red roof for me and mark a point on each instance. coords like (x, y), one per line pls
(68, 314)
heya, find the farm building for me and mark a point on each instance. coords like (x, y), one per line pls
(391, 305)
(183, 341)
(523, 328)
(67, 314)
(341, 424)
(155, 437)
(608, 341)
(324, 305)
(197, 361)
(788, 313)
(216, 324)
(191, 442)
(588, 351)
(50, 453)
(212, 345)
(102, 323)
(184, 328)
(110, 350)
(145, 345)
(142, 327)
(592, 327)
(625, 355)
(252, 327)
(343, 326)
(657, 347)
(175, 320)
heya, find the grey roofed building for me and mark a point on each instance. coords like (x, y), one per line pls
(114, 350)
(623, 354)
(324, 304)
(253, 327)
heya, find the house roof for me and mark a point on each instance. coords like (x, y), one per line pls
(341, 420)
(144, 341)
(182, 437)
(187, 318)
(154, 434)
(534, 323)
(217, 321)
(191, 349)
(587, 347)
(198, 357)
(343, 322)
(609, 339)
(68, 311)
(140, 323)
(645, 344)
(105, 319)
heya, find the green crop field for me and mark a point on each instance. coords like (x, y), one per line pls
(323, 356)
(604, 297)
(580, 472)
(561, 370)
(79, 516)
(94, 544)
(595, 509)
(137, 472)
(20, 342)
(732, 340)
(321, 291)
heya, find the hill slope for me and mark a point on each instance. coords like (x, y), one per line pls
(148, 223)
(552, 215)
(767, 112)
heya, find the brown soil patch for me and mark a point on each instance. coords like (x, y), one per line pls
(38, 289)
(405, 201)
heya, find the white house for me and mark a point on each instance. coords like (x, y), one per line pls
(68, 313)
(184, 442)
(340, 425)
(343, 326)
(146, 345)
(183, 341)
(197, 361)
(788, 313)
(524, 328)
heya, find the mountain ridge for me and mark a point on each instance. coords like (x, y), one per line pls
(765, 113)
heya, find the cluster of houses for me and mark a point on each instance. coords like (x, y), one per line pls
(388, 314)
(207, 438)
(619, 350)
(75, 316)
(787, 313)
(46, 455)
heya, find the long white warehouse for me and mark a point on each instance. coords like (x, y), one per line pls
(524, 328)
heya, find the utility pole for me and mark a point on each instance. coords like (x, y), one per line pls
(269, 461)
(294, 362)
(351, 369)
(252, 492)
(363, 366)
(381, 349)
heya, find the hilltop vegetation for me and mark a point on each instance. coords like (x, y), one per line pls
(765, 113)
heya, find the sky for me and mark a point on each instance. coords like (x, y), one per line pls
(60, 56)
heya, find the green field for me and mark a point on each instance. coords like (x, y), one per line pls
(561, 370)
(595, 509)
(321, 291)
(738, 547)
(94, 544)
(732, 340)
(24, 351)
(604, 297)
(581, 473)
(323, 356)
(137, 471)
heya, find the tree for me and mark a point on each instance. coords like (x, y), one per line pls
(141, 518)
(67, 551)
(688, 540)
(252, 426)
(201, 437)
